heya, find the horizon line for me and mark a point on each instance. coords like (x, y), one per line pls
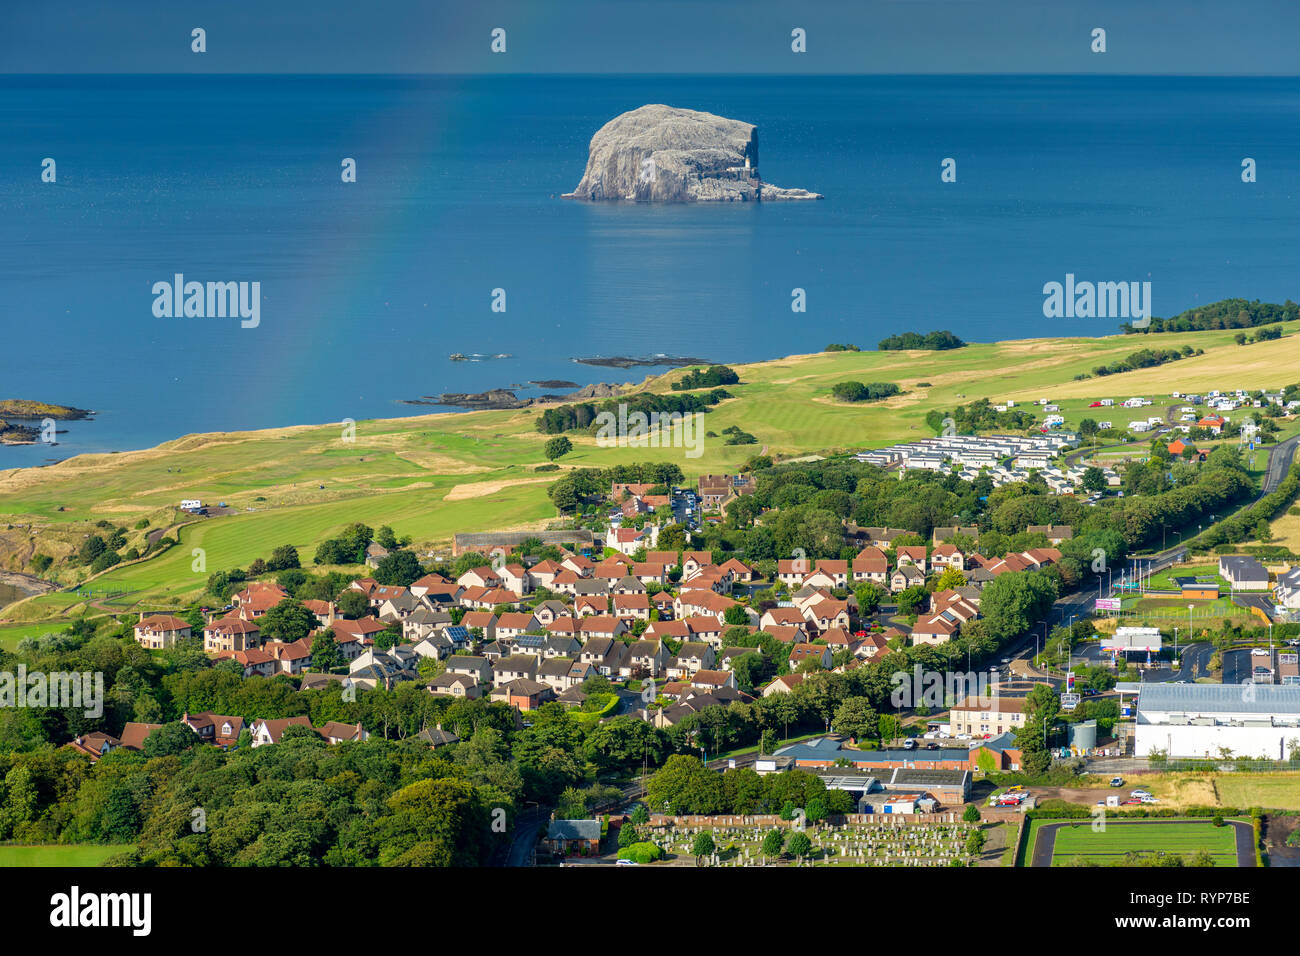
(528, 74)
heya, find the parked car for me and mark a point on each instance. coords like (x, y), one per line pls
(1117, 781)
(626, 863)
(1140, 793)
(1147, 798)
(1129, 803)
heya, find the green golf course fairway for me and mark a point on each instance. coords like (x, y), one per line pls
(432, 476)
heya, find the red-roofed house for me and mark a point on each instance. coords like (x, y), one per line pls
(947, 556)
(231, 634)
(254, 661)
(818, 652)
(913, 554)
(1214, 423)
(160, 631)
(871, 564)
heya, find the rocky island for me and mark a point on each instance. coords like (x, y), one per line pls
(17, 413)
(662, 153)
(629, 361)
(504, 398)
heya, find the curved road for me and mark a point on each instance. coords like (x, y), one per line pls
(524, 839)
(1280, 457)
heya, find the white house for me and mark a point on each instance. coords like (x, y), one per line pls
(1287, 591)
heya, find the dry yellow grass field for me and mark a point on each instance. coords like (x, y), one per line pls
(1179, 791)
(1286, 531)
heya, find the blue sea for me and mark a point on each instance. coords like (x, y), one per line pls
(368, 287)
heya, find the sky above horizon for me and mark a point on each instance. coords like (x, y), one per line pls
(1250, 37)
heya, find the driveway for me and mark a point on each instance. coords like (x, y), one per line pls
(1260, 600)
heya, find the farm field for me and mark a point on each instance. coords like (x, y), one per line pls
(1079, 841)
(57, 855)
(1286, 531)
(430, 476)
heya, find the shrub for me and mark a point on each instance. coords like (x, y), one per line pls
(558, 447)
(711, 377)
(105, 561)
(937, 341)
(641, 852)
(863, 391)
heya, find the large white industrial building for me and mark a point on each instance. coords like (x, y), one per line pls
(1201, 720)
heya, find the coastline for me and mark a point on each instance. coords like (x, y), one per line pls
(884, 361)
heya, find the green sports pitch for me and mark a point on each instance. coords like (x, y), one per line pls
(1080, 842)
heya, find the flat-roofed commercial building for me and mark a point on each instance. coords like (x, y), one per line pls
(1211, 720)
(1127, 639)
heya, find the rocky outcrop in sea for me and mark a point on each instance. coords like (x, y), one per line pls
(504, 398)
(662, 153)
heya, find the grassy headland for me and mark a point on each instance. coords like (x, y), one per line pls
(431, 476)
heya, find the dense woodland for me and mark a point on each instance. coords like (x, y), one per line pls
(1145, 358)
(1224, 314)
(583, 415)
(932, 341)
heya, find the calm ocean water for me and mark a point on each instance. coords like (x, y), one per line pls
(368, 287)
